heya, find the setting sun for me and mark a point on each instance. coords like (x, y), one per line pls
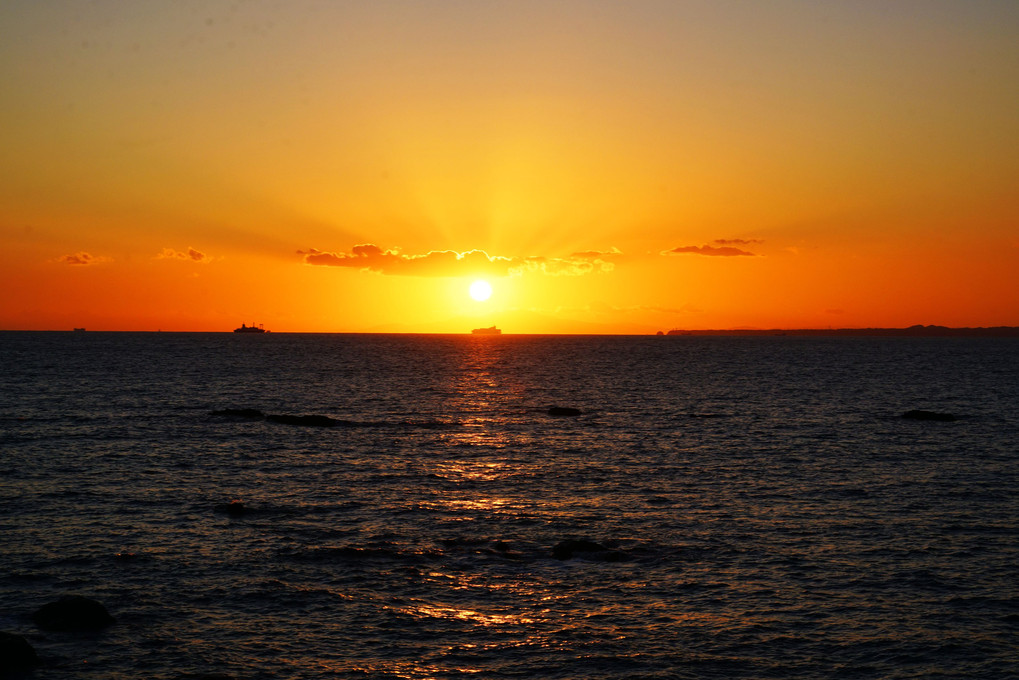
(481, 290)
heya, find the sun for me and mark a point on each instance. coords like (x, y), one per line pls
(481, 290)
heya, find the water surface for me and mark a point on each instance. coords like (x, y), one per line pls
(764, 509)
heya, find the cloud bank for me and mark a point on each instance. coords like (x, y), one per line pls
(711, 251)
(737, 241)
(370, 257)
(191, 255)
(82, 259)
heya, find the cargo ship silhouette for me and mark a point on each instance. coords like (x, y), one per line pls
(250, 329)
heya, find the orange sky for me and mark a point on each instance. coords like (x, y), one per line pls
(608, 167)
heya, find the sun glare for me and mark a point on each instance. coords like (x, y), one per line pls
(481, 290)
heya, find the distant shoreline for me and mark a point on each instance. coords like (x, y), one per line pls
(912, 331)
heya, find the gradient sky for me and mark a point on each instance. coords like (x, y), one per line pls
(607, 166)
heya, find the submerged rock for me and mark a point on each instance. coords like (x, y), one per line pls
(505, 550)
(249, 413)
(564, 411)
(72, 613)
(919, 414)
(570, 548)
(565, 550)
(16, 655)
(233, 508)
(312, 420)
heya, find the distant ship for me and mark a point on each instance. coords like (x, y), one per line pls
(491, 330)
(250, 329)
(79, 330)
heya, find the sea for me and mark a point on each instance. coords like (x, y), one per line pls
(720, 507)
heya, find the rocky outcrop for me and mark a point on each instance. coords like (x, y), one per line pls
(919, 414)
(233, 508)
(565, 550)
(16, 655)
(311, 420)
(570, 548)
(72, 613)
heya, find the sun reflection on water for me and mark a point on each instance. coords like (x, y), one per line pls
(412, 670)
(471, 505)
(470, 470)
(464, 614)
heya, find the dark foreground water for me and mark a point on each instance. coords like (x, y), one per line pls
(765, 510)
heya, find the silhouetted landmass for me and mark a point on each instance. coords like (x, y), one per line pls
(912, 331)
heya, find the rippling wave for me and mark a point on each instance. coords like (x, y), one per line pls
(718, 508)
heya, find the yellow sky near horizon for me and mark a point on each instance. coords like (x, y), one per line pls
(608, 167)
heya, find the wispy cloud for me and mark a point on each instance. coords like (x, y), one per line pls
(191, 255)
(712, 251)
(83, 259)
(370, 257)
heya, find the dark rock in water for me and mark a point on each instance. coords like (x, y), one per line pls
(506, 551)
(233, 508)
(249, 413)
(918, 414)
(72, 613)
(313, 421)
(283, 418)
(16, 655)
(565, 550)
(564, 411)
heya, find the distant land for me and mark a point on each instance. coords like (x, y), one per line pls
(912, 331)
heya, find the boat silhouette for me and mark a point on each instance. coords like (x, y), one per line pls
(250, 329)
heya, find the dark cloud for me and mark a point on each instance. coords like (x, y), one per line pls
(370, 257)
(723, 251)
(191, 255)
(82, 259)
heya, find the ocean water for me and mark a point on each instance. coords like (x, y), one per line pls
(764, 509)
